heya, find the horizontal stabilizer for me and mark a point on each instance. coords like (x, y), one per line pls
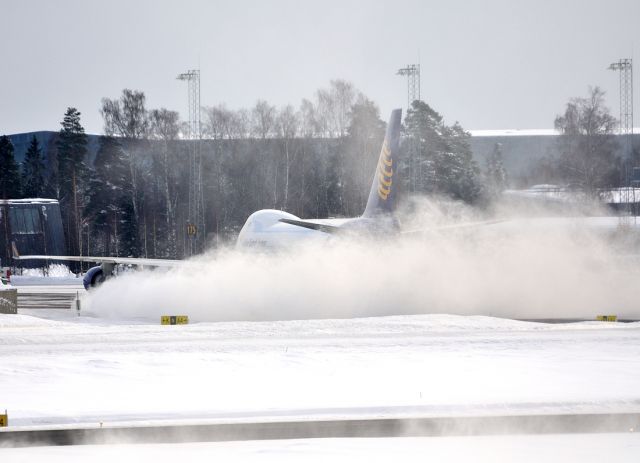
(312, 226)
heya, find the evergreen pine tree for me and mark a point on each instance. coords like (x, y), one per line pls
(462, 178)
(439, 158)
(33, 171)
(9, 173)
(107, 199)
(424, 143)
(128, 229)
(72, 176)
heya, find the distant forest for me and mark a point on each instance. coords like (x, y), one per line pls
(316, 160)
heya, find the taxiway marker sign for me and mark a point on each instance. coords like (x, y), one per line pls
(174, 320)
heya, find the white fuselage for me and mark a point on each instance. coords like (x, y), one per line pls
(263, 229)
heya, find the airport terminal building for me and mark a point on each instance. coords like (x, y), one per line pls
(33, 225)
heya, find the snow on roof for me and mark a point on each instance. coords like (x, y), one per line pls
(521, 132)
(29, 201)
(512, 132)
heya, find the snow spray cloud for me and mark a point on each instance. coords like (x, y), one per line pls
(524, 268)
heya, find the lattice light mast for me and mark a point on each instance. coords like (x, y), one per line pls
(412, 71)
(193, 94)
(625, 67)
(195, 220)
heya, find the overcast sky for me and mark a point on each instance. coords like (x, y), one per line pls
(499, 64)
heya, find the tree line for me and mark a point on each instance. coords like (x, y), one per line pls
(316, 160)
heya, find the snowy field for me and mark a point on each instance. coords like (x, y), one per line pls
(583, 448)
(61, 369)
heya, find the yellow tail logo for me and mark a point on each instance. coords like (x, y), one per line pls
(385, 172)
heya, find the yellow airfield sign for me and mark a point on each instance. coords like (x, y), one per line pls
(607, 318)
(174, 319)
(4, 420)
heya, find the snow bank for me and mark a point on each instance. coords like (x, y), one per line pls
(23, 321)
(53, 271)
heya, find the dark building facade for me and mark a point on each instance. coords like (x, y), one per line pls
(34, 225)
(523, 154)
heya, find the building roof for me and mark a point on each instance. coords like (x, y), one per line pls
(28, 201)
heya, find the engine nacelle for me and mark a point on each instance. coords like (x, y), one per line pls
(94, 277)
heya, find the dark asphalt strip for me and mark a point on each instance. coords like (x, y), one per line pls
(347, 428)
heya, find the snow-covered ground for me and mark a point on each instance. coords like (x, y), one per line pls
(59, 369)
(582, 448)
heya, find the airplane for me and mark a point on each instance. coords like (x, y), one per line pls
(270, 228)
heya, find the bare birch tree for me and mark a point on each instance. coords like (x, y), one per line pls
(263, 118)
(165, 126)
(127, 117)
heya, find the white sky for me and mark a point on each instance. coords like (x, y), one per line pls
(493, 64)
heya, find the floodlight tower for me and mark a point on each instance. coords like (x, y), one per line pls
(195, 217)
(625, 67)
(193, 94)
(412, 71)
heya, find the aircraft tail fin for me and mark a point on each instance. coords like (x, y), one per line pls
(382, 197)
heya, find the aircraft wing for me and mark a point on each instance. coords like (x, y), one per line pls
(110, 260)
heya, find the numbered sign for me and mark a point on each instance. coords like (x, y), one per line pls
(174, 320)
(191, 229)
(607, 318)
(4, 420)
